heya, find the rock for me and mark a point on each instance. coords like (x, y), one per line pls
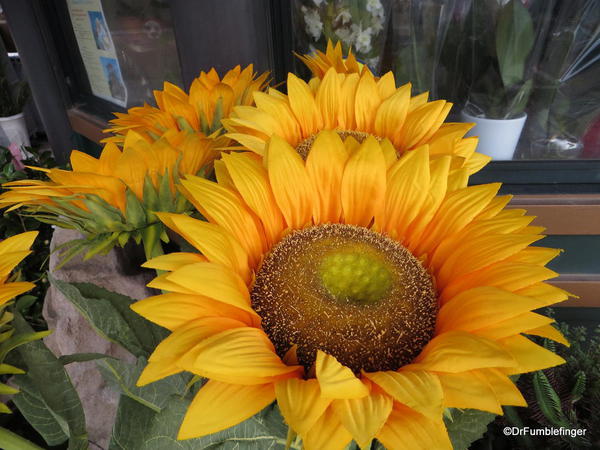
(72, 333)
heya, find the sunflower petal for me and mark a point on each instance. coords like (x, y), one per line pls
(336, 380)
(469, 390)
(300, 403)
(229, 404)
(363, 417)
(419, 390)
(529, 356)
(328, 433)
(406, 429)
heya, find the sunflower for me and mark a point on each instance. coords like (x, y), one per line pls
(319, 63)
(361, 290)
(112, 198)
(358, 106)
(210, 99)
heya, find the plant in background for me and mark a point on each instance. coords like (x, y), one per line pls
(13, 223)
(498, 65)
(357, 24)
(13, 96)
(210, 99)
(567, 396)
(114, 198)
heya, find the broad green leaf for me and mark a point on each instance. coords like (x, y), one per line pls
(265, 430)
(47, 387)
(109, 314)
(123, 376)
(467, 426)
(131, 425)
(514, 40)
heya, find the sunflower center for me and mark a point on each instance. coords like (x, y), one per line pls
(304, 147)
(348, 291)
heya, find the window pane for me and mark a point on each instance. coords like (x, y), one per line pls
(127, 46)
(526, 71)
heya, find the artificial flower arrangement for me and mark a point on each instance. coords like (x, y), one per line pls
(345, 280)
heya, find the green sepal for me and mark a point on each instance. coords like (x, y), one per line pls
(204, 122)
(135, 214)
(5, 389)
(109, 220)
(6, 335)
(165, 196)
(150, 199)
(103, 246)
(184, 124)
(20, 339)
(218, 115)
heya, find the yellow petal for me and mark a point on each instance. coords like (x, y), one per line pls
(325, 167)
(468, 390)
(328, 433)
(173, 261)
(328, 98)
(252, 182)
(549, 332)
(419, 390)
(457, 351)
(407, 430)
(174, 310)
(300, 403)
(481, 307)
(407, 188)
(240, 355)
(336, 380)
(363, 417)
(366, 102)
(225, 208)
(229, 404)
(504, 388)
(419, 123)
(290, 183)
(214, 281)
(363, 184)
(179, 342)
(11, 290)
(214, 241)
(303, 105)
(529, 356)
(514, 326)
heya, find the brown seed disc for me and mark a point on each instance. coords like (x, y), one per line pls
(304, 147)
(353, 293)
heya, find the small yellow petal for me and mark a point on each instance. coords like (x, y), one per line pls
(336, 380)
(300, 403)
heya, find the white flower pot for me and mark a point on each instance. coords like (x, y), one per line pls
(498, 138)
(15, 129)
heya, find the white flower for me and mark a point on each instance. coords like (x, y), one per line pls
(318, 2)
(345, 35)
(362, 40)
(314, 26)
(373, 63)
(375, 8)
(344, 17)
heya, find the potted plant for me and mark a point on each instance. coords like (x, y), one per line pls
(498, 74)
(13, 97)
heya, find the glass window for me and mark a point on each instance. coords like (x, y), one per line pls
(127, 47)
(527, 72)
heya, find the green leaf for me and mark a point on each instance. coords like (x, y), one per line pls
(49, 401)
(123, 377)
(134, 211)
(20, 339)
(131, 425)
(264, 430)
(110, 315)
(548, 400)
(467, 426)
(514, 40)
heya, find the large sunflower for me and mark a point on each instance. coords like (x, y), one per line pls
(363, 291)
(210, 99)
(113, 198)
(356, 105)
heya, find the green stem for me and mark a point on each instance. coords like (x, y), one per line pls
(13, 441)
(291, 435)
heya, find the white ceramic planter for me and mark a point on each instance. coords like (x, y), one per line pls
(15, 129)
(498, 138)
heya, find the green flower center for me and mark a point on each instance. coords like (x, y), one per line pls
(348, 291)
(349, 275)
